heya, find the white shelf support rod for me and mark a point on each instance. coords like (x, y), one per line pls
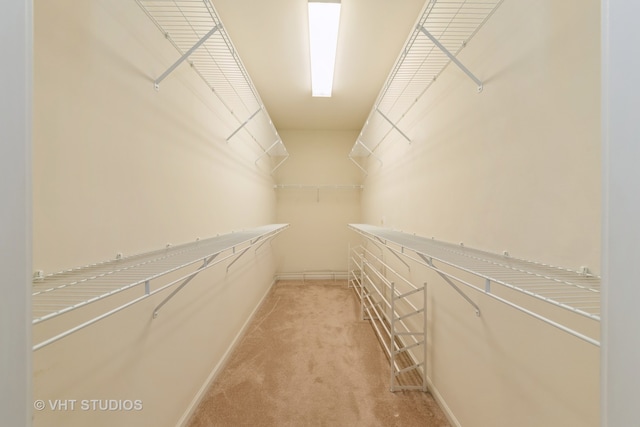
(156, 84)
(359, 167)
(398, 256)
(392, 252)
(359, 141)
(279, 164)
(244, 124)
(451, 57)
(393, 125)
(237, 258)
(429, 262)
(266, 152)
(182, 285)
(351, 156)
(260, 245)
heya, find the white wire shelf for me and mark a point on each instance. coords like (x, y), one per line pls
(195, 30)
(575, 292)
(442, 31)
(59, 293)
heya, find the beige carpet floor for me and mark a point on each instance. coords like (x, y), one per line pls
(307, 360)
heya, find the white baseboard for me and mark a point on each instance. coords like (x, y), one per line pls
(313, 275)
(436, 394)
(182, 422)
(443, 405)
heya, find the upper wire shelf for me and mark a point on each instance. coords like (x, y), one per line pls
(442, 31)
(66, 291)
(195, 30)
(575, 292)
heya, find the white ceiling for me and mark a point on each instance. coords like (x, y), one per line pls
(272, 39)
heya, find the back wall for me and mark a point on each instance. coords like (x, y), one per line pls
(317, 211)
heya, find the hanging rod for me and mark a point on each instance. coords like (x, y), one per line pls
(575, 292)
(317, 188)
(60, 293)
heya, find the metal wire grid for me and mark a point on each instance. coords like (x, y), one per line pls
(570, 290)
(64, 291)
(185, 23)
(453, 23)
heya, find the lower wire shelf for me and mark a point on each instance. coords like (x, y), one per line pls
(556, 296)
(59, 293)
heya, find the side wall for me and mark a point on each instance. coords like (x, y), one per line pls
(621, 209)
(515, 168)
(319, 237)
(16, 49)
(122, 168)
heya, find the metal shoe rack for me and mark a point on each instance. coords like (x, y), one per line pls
(442, 31)
(195, 30)
(396, 309)
(137, 277)
(567, 300)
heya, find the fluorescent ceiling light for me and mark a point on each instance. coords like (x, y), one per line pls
(323, 36)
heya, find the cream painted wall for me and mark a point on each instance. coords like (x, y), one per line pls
(147, 167)
(120, 167)
(318, 238)
(514, 168)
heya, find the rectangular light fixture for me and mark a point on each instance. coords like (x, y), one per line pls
(324, 17)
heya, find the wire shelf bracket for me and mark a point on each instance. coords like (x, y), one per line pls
(179, 288)
(279, 157)
(393, 125)
(156, 83)
(60, 293)
(244, 124)
(360, 150)
(451, 56)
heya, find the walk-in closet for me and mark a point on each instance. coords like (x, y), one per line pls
(197, 232)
